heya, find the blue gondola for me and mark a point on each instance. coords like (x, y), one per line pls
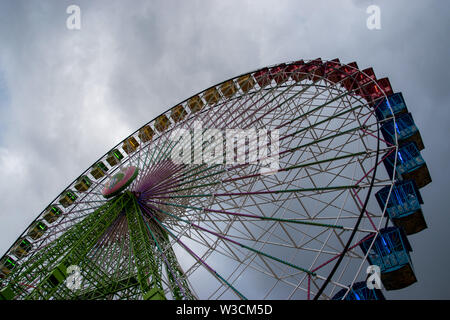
(410, 165)
(359, 291)
(404, 206)
(391, 253)
(397, 103)
(405, 128)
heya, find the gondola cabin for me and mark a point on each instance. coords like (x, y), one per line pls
(332, 71)
(279, 74)
(67, 198)
(98, 170)
(313, 69)
(146, 133)
(376, 92)
(178, 113)
(405, 129)
(83, 184)
(293, 69)
(263, 77)
(391, 253)
(37, 230)
(114, 157)
(162, 123)
(21, 248)
(246, 82)
(7, 264)
(130, 145)
(52, 214)
(318, 71)
(349, 72)
(195, 104)
(228, 88)
(410, 165)
(385, 86)
(395, 102)
(212, 96)
(359, 291)
(365, 78)
(403, 206)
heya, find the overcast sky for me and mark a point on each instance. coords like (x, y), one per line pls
(68, 96)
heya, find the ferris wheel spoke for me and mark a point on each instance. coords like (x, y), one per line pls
(234, 242)
(320, 135)
(294, 96)
(159, 181)
(312, 111)
(267, 103)
(250, 95)
(300, 231)
(379, 162)
(202, 209)
(159, 157)
(193, 254)
(326, 120)
(248, 176)
(243, 261)
(302, 245)
(284, 244)
(156, 156)
(265, 192)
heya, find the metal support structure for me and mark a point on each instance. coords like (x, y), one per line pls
(90, 234)
(148, 274)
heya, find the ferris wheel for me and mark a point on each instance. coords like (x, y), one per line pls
(286, 182)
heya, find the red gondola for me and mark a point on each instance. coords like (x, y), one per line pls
(263, 77)
(332, 71)
(279, 74)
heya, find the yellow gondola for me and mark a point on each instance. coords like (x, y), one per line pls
(228, 88)
(37, 230)
(130, 145)
(145, 133)
(67, 198)
(195, 104)
(83, 184)
(114, 157)
(52, 214)
(211, 96)
(162, 123)
(21, 248)
(246, 82)
(98, 170)
(178, 113)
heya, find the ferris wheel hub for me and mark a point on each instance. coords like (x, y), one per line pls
(120, 181)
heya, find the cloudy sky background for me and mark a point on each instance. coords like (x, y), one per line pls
(68, 96)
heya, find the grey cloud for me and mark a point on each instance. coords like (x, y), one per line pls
(75, 94)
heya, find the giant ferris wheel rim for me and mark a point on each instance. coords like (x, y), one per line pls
(200, 94)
